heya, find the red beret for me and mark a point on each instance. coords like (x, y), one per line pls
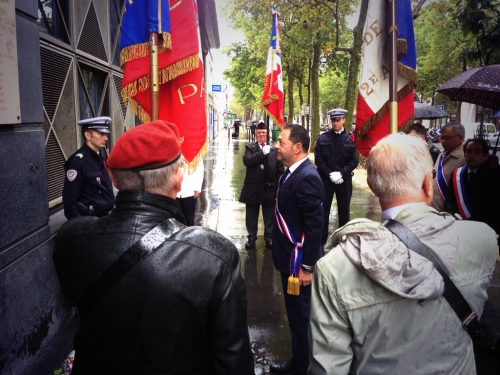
(148, 146)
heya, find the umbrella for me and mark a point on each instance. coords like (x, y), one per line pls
(480, 86)
(428, 112)
(496, 115)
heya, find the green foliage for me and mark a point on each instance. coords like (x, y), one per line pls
(439, 42)
(481, 20)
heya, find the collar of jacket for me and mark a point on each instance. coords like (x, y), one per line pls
(143, 199)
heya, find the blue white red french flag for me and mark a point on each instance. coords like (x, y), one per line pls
(273, 98)
(372, 111)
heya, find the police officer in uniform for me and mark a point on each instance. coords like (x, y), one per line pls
(334, 158)
(87, 186)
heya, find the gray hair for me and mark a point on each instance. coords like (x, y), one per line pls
(397, 166)
(457, 128)
(152, 180)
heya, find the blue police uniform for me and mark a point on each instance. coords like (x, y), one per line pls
(87, 183)
(335, 152)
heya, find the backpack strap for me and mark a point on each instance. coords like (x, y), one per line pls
(112, 275)
(454, 297)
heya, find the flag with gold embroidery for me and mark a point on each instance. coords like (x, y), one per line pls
(180, 64)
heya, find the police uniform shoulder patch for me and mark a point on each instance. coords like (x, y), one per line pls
(79, 155)
(71, 174)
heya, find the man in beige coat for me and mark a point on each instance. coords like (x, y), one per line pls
(377, 307)
(452, 157)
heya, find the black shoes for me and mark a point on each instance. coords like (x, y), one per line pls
(282, 368)
(250, 244)
(269, 244)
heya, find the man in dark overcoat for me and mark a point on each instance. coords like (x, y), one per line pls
(259, 188)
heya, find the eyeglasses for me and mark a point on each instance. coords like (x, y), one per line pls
(448, 138)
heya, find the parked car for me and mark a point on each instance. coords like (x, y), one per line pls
(490, 133)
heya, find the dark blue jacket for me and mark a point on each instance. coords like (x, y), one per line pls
(300, 201)
(87, 181)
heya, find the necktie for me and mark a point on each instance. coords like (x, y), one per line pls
(262, 145)
(284, 176)
(472, 176)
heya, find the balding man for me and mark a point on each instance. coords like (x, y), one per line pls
(377, 306)
(452, 157)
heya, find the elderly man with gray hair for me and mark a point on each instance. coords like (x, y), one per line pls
(452, 157)
(380, 307)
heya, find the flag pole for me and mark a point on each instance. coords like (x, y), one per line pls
(154, 75)
(393, 68)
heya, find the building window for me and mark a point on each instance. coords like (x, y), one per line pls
(90, 91)
(52, 18)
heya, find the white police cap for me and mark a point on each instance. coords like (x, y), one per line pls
(100, 124)
(337, 113)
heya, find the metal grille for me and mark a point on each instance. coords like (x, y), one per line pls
(118, 85)
(55, 167)
(54, 69)
(91, 39)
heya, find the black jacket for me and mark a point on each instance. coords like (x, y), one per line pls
(87, 181)
(335, 153)
(181, 310)
(262, 175)
(483, 196)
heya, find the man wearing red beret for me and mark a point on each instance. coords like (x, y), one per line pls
(152, 295)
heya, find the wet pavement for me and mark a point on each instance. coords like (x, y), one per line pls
(219, 209)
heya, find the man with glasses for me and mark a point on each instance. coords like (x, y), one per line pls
(334, 158)
(88, 190)
(259, 188)
(452, 157)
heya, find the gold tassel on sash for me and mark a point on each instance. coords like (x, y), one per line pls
(293, 286)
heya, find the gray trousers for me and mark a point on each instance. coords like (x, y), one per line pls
(252, 221)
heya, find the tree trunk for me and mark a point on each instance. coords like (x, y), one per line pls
(290, 99)
(354, 66)
(314, 110)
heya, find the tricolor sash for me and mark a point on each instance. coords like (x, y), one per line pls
(296, 255)
(459, 178)
(442, 184)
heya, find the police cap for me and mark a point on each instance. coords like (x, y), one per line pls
(336, 113)
(100, 124)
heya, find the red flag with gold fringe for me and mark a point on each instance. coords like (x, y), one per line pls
(183, 103)
(181, 64)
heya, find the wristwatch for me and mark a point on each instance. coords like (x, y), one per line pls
(308, 270)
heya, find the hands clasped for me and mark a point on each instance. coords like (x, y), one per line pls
(336, 177)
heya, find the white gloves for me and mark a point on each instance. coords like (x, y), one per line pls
(339, 181)
(335, 177)
(266, 149)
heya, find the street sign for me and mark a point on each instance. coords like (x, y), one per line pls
(440, 107)
(216, 88)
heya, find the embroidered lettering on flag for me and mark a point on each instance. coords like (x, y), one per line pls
(372, 111)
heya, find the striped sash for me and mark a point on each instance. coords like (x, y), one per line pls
(296, 255)
(442, 184)
(459, 180)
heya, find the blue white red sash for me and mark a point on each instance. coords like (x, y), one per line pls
(296, 255)
(442, 183)
(459, 178)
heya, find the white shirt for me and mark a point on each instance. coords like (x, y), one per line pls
(392, 212)
(192, 182)
(294, 166)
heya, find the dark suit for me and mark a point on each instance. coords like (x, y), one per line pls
(299, 201)
(482, 194)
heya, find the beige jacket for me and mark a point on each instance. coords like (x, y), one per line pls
(377, 306)
(452, 161)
